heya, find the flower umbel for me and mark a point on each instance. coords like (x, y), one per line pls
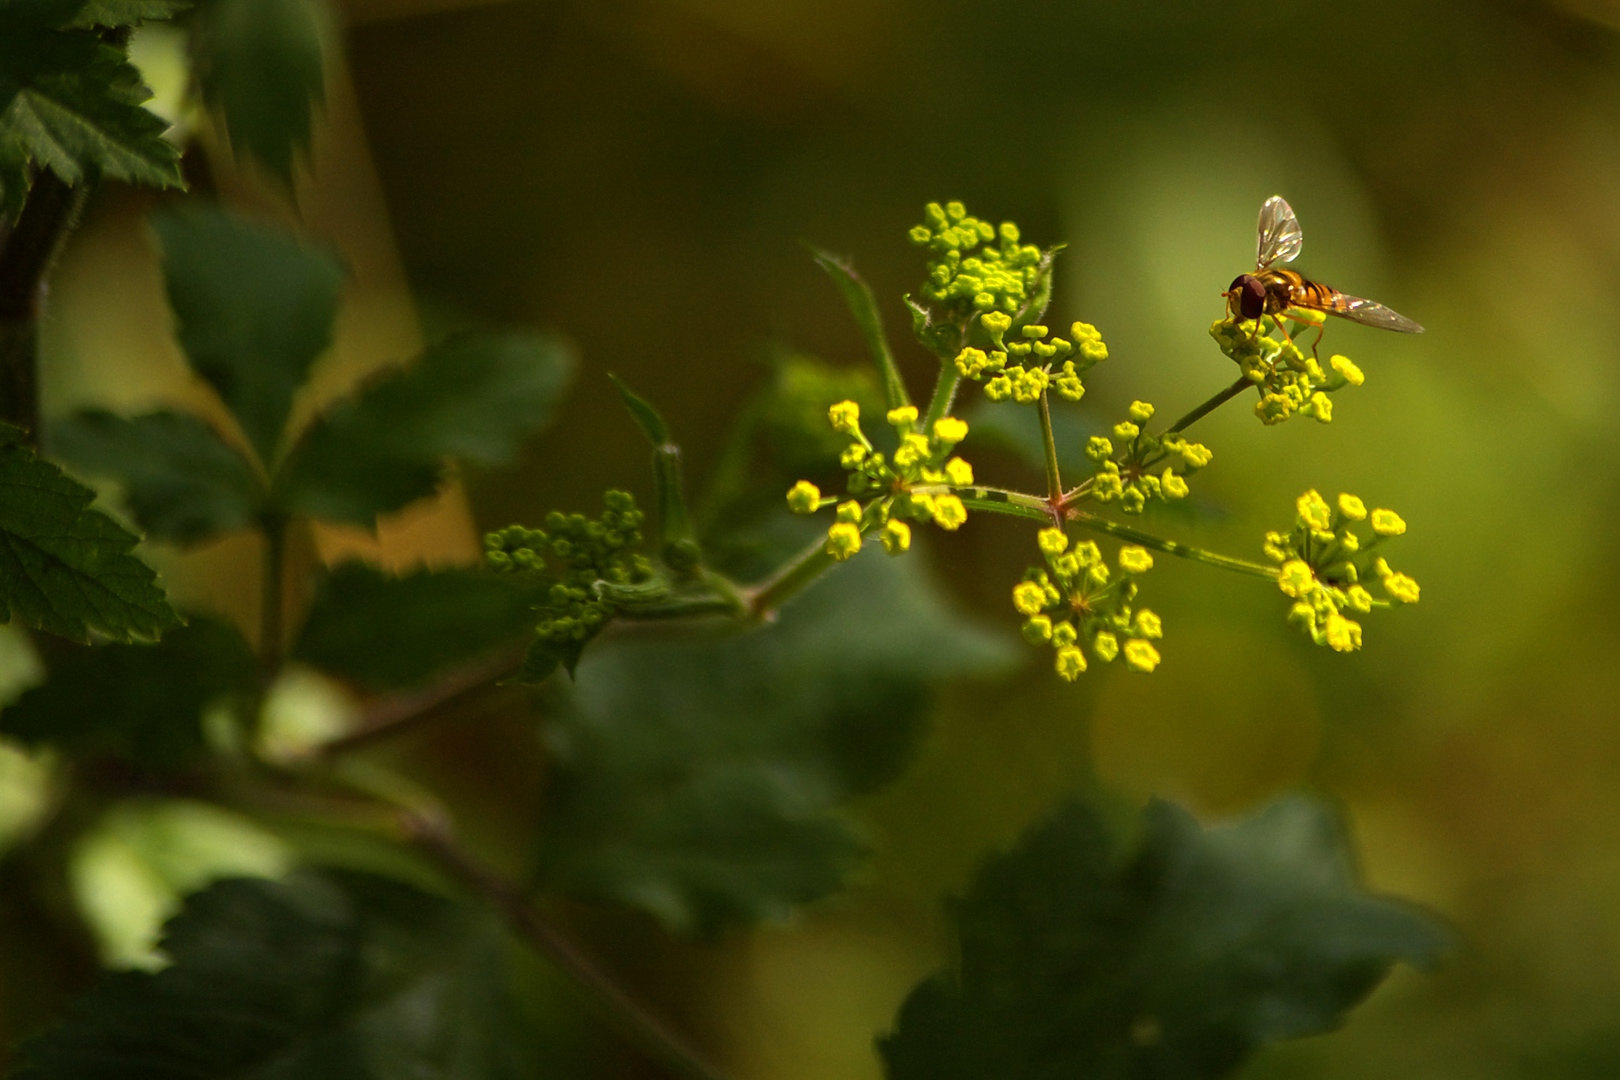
(1078, 602)
(1290, 383)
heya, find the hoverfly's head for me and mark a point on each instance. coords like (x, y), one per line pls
(1246, 298)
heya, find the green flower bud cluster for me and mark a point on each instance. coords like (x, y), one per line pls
(573, 553)
(1079, 600)
(1126, 475)
(921, 460)
(1325, 559)
(964, 277)
(1020, 370)
(1290, 382)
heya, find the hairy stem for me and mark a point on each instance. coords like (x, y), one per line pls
(944, 395)
(1211, 405)
(1171, 547)
(434, 839)
(30, 248)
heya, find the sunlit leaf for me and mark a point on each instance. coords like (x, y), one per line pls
(700, 780)
(182, 482)
(1173, 960)
(474, 397)
(65, 567)
(327, 974)
(253, 309)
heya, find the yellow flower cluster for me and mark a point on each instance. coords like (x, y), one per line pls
(1000, 275)
(1291, 383)
(1079, 600)
(1127, 478)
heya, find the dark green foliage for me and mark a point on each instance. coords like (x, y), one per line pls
(253, 309)
(1172, 961)
(385, 632)
(863, 306)
(65, 567)
(700, 780)
(113, 13)
(327, 975)
(182, 482)
(261, 63)
(143, 703)
(677, 545)
(475, 397)
(72, 103)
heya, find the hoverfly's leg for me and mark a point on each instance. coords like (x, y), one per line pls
(1319, 328)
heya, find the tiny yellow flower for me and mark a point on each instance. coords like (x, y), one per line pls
(1402, 588)
(1358, 598)
(1064, 634)
(1351, 373)
(1029, 598)
(1148, 624)
(1141, 412)
(1070, 663)
(1342, 634)
(845, 417)
(959, 472)
(1038, 630)
(1314, 512)
(1352, 507)
(903, 417)
(949, 513)
(948, 429)
(1173, 486)
(843, 540)
(996, 322)
(1084, 332)
(1387, 523)
(1321, 407)
(896, 537)
(1141, 655)
(1296, 578)
(852, 456)
(1106, 646)
(1197, 455)
(1125, 431)
(1099, 448)
(1135, 560)
(1033, 332)
(849, 513)
(1053, 541)
(804, 497)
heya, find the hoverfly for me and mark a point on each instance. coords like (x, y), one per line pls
(1287, 294)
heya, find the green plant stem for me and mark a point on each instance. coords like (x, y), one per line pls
(29, 250)
(994, 500)
(1211, 405)
(433, 838)
(1054, 482)
(793, 578)
(944, 395)
(1170, 547)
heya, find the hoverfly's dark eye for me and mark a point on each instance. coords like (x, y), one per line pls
(1251, 296)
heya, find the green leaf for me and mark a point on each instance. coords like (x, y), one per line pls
(677, 543)
(261, 62)
(325, 975)
(474, 396)
(943, 340)
(183, 483)
(387, 632)
(700, 781)
(863, 305)
(72, 102)
(253, 309)
(64, 567)
(646, 417)
(1173, 961)
(143, 703)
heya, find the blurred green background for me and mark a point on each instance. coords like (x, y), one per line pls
(639, 174)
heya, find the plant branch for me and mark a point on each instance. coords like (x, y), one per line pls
(1171, 547)
(1054, 482)
(944, 395)
(433, 838)
(397, 714)
(794, 577)
(1211, 405)
(994, 500)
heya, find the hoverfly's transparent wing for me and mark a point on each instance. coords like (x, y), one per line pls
(1372, 313)
(1279, 239)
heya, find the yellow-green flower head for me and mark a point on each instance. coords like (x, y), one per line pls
(1358, 598)
(1038, 629)
(1296, 578)
(1141, 412)
(1064, 634)
(1352, 507)
(1125, 431)
(1029, 597)
(1099, 448)
(1320, 407)
(1341, 634)
(1173, 486)
(1141, 655)
(1088, 553)
(1028, 384)
(845, 417)
(949, 513)
(1070, 663)
(852, 456)
(1107, 486)
(1274, 409)
(1196, 455)
(1400, 587)
(896, 537)
(1133, 500)
(1344, 367)
(1387, 523)
(950, 430)
(903, 417)
(999, 389)
(1135, 560)
(1106, 646)
(1053, 541)
(1033, 332)
(1314, 512)
(921, 234)
(804, 497)
(996, 323)
(913, 451)
(849, 513)
(843, 540)
(1349, 541)
(959, 472)
(1148, 625)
